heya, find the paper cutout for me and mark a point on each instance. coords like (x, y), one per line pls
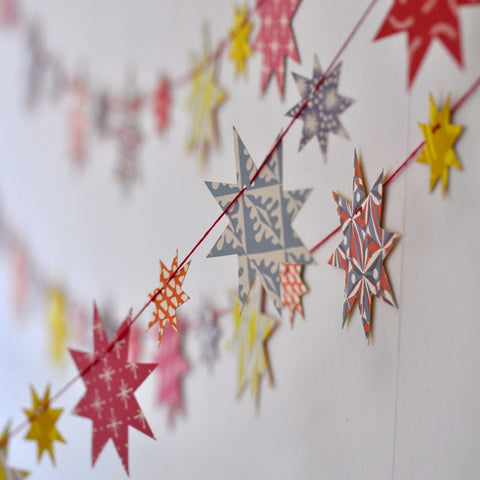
(260, 230)
(423, 22)
(440, 137)
(169, 296)
(42, 420)
(78, 121)
(172, 366)
(57, 324)
(111, 382)
(162, 100)
(252, 330)
(6, 472)
(275, 39)
(9, 14)
(364, 247)
(293, 288)
(36, 65)
(203, 102)
(320, 116)
(207, 332)
(240, 48)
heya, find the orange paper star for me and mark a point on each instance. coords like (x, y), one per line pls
(440, 136)
(292, 288)
(42, 420)
(169, 296)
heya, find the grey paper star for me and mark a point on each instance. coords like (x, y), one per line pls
(260, 230)
(320, 116)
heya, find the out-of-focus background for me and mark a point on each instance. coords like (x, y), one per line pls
(405, 406)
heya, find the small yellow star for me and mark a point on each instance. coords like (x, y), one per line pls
(440, 136)
(240, 48)
(205, 98)
(42, 419)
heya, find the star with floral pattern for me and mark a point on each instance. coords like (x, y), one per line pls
(169, 296)
(320, 115)
(423, 22)
(260, 231)
(364, 247)
(111, 381)
(240, 48)
(293, 288)
(275, 39)
(440, 136)
(42, 420)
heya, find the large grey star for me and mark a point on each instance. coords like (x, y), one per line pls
(320, 115)
(260, 230)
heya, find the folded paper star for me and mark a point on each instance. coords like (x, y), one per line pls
(169, 296)
(162, 100)
(440, 137)
(320, 116)
(42, 420)
(111, 381)
(6, 472)
(207, 332)
(203, 102)
(172, 366)
(260, 230)
(275, 39)
(57, 324)
(240, 48)
(364, 247)
(424, 21)
(293, 288)
(252, 330)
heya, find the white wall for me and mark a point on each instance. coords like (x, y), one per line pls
(405, 407)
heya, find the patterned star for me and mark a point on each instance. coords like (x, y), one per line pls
(111, 382)
(275, 39)
(207, 332)
(42, 420)
(252, 330)
(364, 247)
(424, 22)
(7, 473)
(293, 288)
(172, 366)
(204, 100)
(169, 296)
(260, 230)
(240, 48)
(162, 101)
(320, 116)
(440, 136)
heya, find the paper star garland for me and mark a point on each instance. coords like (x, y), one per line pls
(424, 22)
(172, 366)
(440, 136)
(207, 332)
(293, 288)
(240, 48)
(162, 100)
(275, 39)
(111, 382)
(364, 247)
(7, 473)
(169, 296)
(42, 420)
(320, 116)
(57, 324)
(204, 100)
(260, 230)
(252, 330)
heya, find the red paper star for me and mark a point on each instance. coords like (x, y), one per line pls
(111, 383)
(171, 368)
(169, 296)
(161, 104)
(424, 21)
(275, 39)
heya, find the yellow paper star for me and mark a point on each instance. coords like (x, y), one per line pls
(7, 473)
(252, 329)
(440, 136)
(42, 420)
(240, 47)
(57, 324)
(205, 98)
